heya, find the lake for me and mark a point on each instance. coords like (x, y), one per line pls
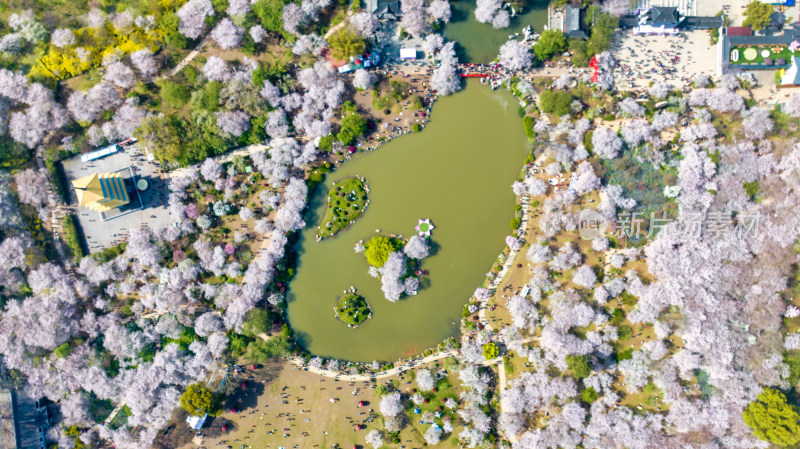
(458, 172)
(479, 42)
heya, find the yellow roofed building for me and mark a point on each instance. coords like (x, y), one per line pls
(101, 192)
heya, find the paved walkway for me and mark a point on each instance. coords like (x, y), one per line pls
(383, 374)
(512, 255)
(222, 158)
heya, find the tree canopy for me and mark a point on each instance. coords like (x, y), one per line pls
(773, 419)
(556, 102)
(758, 15)
(353, 126)
(550, 43)
(377, 250)
(257, 321)
(579, 366)
(198, 400)
(346, 43)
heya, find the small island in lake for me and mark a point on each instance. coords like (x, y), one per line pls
(397, 262)
(352, 308)
(347, 200)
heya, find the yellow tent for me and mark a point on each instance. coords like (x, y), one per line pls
(101, 192)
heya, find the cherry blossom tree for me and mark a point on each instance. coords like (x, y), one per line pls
(363, 79)
(375, 439)
(391, 404)
(440, 10)
(192, 17)
(216, 69)
(293, 18)
(606, 143)
(416, 248)
(365, 24)
(630, 108)
(227, 35)
(276, 125)
(425, 380)
(32, 187)
(515, 55)
(144, 61)
(414, 19)
(445, 80)
(391, 271)
(120, 75)
(584, 276)
(660, 89)
(432, 44)
(617, 8)
(433, 435)
(238, 7)
(757, 123)
(234, 123)
(792, 105)
(211, 170)
(487, 10)
(257, 33)
(62, 37)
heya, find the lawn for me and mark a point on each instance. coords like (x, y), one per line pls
(278, 396)
(347, 200)
(743, 56)
(353, 309)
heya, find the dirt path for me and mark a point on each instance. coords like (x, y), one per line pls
(512, 255)
(192, 54)
(340, 24)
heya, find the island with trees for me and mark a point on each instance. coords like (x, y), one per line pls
(352, 308)
(679, 328)
(347, 200)
(396, 262)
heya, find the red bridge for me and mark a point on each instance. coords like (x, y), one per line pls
(474, 75)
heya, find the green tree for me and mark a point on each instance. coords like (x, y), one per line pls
(257, 321)
(270, 13)
(198, 400)
(579, 365)
(260, 351)
(162, 134)
(758, 15)
(773, 419)
(346, 43)
(173, 94)
(589, 395)
(207, 98)
(63, 350)
(377, 250)
(556, 102)
(353, 126)
(169, 26)
(490, 351)
(550, 43)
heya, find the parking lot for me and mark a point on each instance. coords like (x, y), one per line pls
(101, 234)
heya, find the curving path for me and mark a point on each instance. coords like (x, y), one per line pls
(383, 374)
(512, 255)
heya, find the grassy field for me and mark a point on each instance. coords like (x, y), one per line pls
(352, 309)
(281, 405)
(347, 200)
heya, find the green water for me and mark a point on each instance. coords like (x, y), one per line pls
(479, 42)
(457, 172)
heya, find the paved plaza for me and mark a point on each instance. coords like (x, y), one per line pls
(675, 59)
(101, 234)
